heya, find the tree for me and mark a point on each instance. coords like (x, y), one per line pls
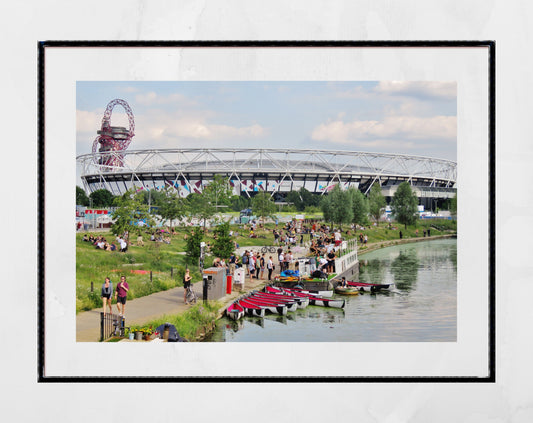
(453, 205)
(294, 198)
(130, 209)
(239, 203)
(341, 207)
(102, 198)
(325, 206)
(376, 202)
(81, 197)
(198, 205)
(171, 205)
(194, 240)
(223, 244)
(263, 205)
(218, 192)
(303, 198)
(359, 206)
(153, 197)
(404, 204)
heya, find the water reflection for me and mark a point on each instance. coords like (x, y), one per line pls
(372, 271)
(422, 309)
(405, 269)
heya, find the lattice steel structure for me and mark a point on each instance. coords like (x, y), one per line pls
(277, 171)
(113, 140)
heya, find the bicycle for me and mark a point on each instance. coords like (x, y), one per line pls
(191, 296)
(265, 250)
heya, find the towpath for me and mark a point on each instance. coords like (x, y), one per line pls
(142, 310)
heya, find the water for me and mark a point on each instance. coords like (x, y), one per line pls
(424, 308)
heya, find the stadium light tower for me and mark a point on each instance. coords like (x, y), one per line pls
(113, 140)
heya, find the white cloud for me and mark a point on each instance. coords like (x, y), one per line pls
(158, 128)
(193, 128)
(420, 89)
(404, 129)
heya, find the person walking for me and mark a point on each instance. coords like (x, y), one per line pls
(107, 293)
(121, 295)
(186, 284)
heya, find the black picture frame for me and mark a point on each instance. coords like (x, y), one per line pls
(491, 64)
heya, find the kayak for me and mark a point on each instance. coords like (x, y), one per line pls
(320, 301)
(346, 290)
(235, 311)
(292, 302)
(252, 309)
(326, 293)
(371, 287)
(267, 305)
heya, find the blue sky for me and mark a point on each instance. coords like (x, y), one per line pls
(416, 118)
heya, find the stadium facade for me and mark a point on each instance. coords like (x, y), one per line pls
(277, 171)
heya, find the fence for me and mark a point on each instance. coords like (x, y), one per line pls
(111, 325)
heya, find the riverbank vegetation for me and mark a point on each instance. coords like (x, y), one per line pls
(193, 324)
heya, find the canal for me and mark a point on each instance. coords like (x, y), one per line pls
(422, 308)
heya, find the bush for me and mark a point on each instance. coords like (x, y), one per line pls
(312, 210)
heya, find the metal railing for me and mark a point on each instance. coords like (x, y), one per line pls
(111, 325)
(348, 256)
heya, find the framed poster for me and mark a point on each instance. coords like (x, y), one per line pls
(398, 86)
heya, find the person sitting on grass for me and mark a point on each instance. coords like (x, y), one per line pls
(123, 245)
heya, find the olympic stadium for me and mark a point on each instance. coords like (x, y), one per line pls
(250, 170)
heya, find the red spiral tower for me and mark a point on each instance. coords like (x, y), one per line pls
(113, 139)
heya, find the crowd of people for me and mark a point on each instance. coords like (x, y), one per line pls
(321, 242)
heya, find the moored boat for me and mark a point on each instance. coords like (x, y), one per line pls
(235, 311)
(323, 293)
(292, 303)
(313, 299)
(252, 309)
(371, 287)
(349, 290)
(268, 305)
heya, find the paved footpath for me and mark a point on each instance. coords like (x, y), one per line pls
(142, 310)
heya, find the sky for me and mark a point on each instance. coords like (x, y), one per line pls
(413, 117)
